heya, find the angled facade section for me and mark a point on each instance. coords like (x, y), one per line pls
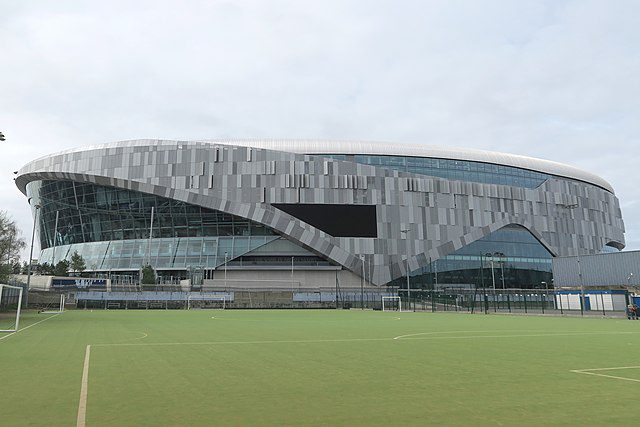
(322, 211)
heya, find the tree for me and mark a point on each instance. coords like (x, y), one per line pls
(45, 269)
(62, 268)
(77, 263)
(10, 245)
(148, 275)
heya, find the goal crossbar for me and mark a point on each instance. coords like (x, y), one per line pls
(19, 307)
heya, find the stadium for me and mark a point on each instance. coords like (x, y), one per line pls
(228, 219)
(317, 212)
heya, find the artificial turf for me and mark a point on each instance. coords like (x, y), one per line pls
(312, 367)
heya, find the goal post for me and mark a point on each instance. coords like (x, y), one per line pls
(206, 302)
(391, 303)
(10, 307)
(57, 308)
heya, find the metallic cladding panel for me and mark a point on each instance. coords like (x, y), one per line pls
(607, 269)
(559, 213)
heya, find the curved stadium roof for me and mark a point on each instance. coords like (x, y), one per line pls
(321, 146)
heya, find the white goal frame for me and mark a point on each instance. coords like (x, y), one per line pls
(63, 300)
(17, 325)
(392, 298)
(205, 299)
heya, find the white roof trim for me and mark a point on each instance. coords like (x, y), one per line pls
(321, 146)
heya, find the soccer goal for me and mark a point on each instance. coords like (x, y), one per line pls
(55, 308)
(391, 304)
(10, 306)
(208, 302)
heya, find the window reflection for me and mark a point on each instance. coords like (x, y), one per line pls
(93, 213)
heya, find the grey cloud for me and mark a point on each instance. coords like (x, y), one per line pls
(551, 79)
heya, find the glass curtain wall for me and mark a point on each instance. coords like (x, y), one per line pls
(458, 170)
(93, 213)
(519, 261)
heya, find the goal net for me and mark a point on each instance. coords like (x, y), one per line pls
(391, 304)
(10, 306)
(211, 303)
(55, 306)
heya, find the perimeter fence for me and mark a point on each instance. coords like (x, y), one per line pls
(521, 301)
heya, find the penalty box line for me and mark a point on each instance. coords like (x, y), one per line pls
(595, 372)
(409, 337)
(84, 389)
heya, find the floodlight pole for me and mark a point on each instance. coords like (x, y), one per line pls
(225, 270)
(493, 281)
(406, 233)
(362, 284)
(55, 239)
(582, 301)
(150, 236)
(33, 235)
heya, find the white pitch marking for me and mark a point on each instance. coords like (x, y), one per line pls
(441, 332)
(144, 335)
(593, 372)
(354, 339)
(27, 327)
(605, 369)
(84, 390)
(508, 336)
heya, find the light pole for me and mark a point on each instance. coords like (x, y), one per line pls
(582, 301)
(362, 284)
(501, 256)
(406, 233)
(225, 269)
(33, 235)
(55, 240)
(493, 281)
(493, 276)
(292, 273)
(150, 236)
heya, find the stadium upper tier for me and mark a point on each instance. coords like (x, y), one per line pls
(380, 148)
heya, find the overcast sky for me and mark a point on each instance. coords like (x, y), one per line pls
(558, 80)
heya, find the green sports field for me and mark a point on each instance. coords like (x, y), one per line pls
(303, 367)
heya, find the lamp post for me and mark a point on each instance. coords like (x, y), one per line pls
(493, 282)
(406, 233)
(55, 240)
(362, 284)
(150, 236)
(501, 256)
(225, 269)
(33, 235)
(582, 301)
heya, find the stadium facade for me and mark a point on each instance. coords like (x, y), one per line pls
(316, 212)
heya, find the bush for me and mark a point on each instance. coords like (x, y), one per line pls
(148, 275)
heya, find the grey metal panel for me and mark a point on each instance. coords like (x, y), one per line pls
(608, 269)
(559, 213)
(312, 146)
